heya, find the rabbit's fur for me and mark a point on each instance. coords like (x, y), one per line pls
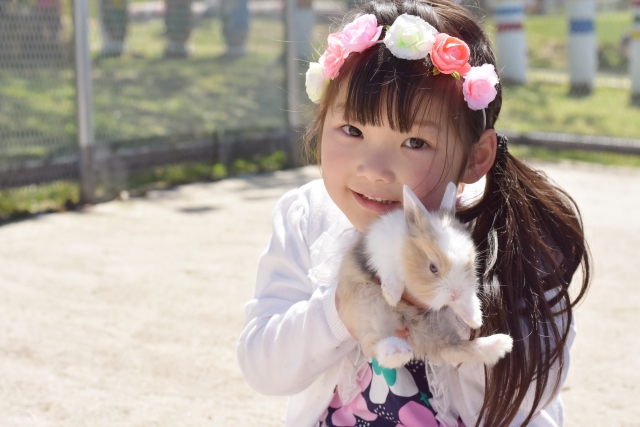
(433, 256)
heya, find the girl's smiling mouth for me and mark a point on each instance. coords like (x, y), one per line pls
(376, 204)
(383, 201)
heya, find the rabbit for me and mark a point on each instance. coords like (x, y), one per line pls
(431, 254)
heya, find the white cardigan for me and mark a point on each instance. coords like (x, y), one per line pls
(294, 343)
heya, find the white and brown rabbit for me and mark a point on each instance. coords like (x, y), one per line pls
(432, 255)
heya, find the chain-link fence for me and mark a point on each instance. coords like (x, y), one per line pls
(170, 82)
(185, 81)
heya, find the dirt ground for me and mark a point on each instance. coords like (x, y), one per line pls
(127, 313)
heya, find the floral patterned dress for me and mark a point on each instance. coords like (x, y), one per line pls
(388, 398)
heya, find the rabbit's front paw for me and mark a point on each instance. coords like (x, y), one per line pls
(391, 291)
(393, 352)
(494, 347)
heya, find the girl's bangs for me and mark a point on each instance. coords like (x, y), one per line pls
(379, 86)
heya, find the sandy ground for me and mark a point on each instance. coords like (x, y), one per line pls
(127, 314)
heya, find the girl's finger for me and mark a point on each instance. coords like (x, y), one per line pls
(402, 333)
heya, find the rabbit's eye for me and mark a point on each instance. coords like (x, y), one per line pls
(433, 269)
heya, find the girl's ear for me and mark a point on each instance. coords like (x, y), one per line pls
(481, 158)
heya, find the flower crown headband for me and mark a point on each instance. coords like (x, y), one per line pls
(410, 37)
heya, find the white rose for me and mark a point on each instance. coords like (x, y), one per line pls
(410, 37)
(316, 83)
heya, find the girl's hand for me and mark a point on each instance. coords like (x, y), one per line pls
(402, 333)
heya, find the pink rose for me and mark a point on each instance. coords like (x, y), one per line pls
(333, 58)
(361, 34)
(450, 55)
(479, 86)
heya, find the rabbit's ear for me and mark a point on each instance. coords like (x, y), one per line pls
(448, 204)
(415, 213)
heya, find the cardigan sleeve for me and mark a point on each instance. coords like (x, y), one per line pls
(292, 332)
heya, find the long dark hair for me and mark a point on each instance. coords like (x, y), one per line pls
(528, 231)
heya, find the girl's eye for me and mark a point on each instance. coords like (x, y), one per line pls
(351, 130)
(415, 143)
(433, 269)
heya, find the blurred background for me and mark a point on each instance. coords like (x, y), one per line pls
(106, 98)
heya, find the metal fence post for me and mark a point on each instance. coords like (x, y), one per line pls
(511, 41)
(305, 19)
(86, 132)
(293, 80)
(582, 47)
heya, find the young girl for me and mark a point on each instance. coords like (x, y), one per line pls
(408, 94)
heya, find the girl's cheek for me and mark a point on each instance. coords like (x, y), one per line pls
(429, 183)
(331, 157)
(335, 150)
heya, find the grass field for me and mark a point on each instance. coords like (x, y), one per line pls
(142, 94)
(546, 107)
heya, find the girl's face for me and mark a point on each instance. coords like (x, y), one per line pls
(365, 167)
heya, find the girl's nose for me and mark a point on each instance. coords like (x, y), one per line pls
(375, 166)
